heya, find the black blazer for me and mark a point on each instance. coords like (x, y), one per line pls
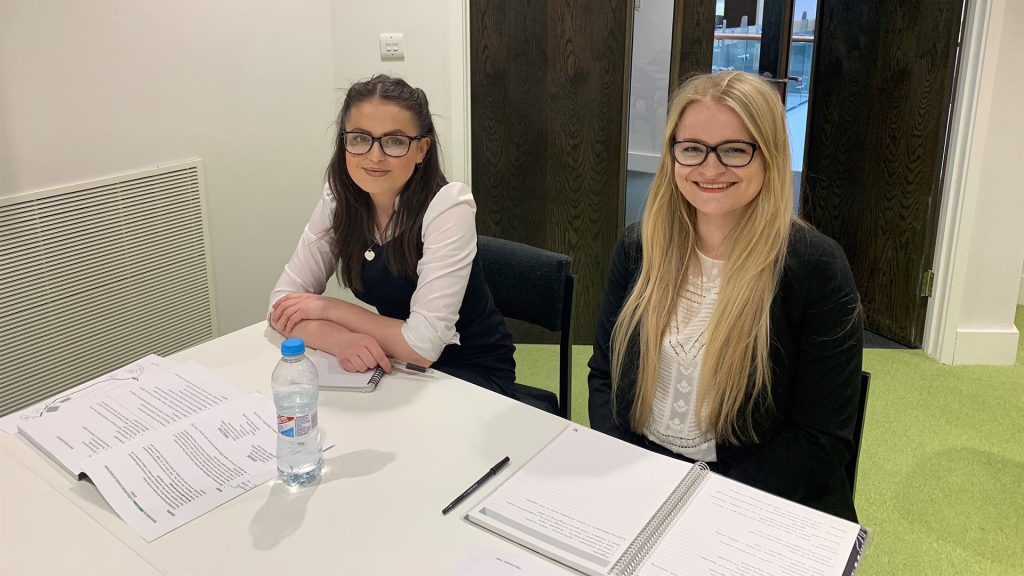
(816, 333)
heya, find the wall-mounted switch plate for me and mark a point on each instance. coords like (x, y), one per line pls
(392, 46)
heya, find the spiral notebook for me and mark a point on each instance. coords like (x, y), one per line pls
(334, 377)
(605, 507)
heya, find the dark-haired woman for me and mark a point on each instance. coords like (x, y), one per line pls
(403, 239)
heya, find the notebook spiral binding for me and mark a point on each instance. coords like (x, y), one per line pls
(378, 373)
(655, 528)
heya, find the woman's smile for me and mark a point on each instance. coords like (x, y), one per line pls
(719, 193)
(376, 172)
(713, 187)
(381, 176)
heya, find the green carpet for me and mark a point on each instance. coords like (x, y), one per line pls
(941, 474)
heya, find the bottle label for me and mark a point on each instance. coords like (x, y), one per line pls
(297, 426)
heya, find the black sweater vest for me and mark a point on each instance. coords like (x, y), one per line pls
(485, 355)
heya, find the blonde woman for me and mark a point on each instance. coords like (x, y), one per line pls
(730, 332)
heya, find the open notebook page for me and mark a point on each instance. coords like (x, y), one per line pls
(580, 499)
(732, 528)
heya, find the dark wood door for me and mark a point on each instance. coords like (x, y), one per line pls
(776, 37)
(883, 81)
(693, 36)
(548, 83)
(881, 90)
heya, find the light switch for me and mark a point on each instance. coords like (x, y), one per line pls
(392, 46)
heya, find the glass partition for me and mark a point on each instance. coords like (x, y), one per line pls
(648, 99)
(738, 47)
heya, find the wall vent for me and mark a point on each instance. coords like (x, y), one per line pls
(95, 275)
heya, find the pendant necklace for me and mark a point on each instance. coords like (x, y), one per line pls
(370, 254)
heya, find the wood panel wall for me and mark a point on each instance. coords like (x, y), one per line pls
(735, 10)
(693, 37)
(883, 78)
(549, 86)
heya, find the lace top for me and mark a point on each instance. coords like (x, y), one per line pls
(673, 422)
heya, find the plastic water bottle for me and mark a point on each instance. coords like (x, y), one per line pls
(295, 385)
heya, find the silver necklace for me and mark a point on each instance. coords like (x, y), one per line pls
(370, 254)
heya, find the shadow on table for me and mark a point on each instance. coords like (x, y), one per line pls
(355, 464)
(285, 508)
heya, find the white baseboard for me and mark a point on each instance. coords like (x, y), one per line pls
(642, 162)
(986, 346)
(1020, 292)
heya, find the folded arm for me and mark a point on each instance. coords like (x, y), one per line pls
(355, 352)
(299, 287)
(449, 247)
(292, 311)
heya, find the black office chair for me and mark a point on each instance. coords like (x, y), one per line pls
(534, 286)
(858, 430)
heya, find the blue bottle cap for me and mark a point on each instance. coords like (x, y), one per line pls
(293, 347)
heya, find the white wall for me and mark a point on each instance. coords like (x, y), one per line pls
(92, 89)
(3, 92)
(981, 248)
(435, 60)
(1020, 293)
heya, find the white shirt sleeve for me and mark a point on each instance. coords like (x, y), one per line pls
(312, 262)
(449, 246)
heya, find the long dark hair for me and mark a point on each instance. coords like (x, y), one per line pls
(353, 223)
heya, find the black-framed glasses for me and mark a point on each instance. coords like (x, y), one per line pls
(394, 145)
(731, 153)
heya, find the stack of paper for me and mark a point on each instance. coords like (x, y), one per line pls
(163, 442)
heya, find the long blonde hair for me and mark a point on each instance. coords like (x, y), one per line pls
(735, 375)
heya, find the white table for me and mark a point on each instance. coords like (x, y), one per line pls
(401, 454)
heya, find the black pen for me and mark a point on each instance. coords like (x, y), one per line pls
(409, 366)
(476, 485)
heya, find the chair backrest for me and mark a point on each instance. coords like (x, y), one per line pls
(535, 286)
(858, 429)
(527, 283)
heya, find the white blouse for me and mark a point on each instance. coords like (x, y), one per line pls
(449, 246)
(674, 418)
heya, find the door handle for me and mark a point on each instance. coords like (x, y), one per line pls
(768, 76)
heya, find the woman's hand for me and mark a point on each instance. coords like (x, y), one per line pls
(293, 308)
(360, 352)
